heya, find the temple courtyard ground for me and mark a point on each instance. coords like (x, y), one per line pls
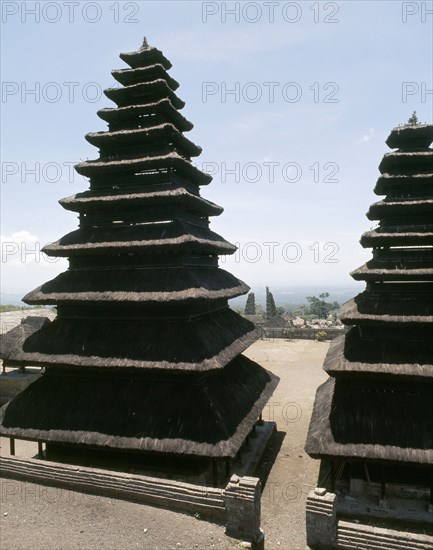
(35, 517)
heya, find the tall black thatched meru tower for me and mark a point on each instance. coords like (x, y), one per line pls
(372, 423)
(144, 355)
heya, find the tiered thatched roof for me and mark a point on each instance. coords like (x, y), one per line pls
(144, 353)
(379, 405)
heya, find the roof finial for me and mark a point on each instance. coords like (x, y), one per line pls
(145, 45)
(413, 120)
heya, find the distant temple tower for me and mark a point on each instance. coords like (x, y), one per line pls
(372, 423)
(271, 309)
(250, 306)
(144, 358)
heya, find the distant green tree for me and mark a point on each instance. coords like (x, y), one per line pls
(280, 310)
(319, 307)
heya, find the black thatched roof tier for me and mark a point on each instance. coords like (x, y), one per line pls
(399, 235)
(163, 135)
(397, 264)
(386, 271)
(401, 185)
(144, 93)
(166, 284)
(407, 162)
(174, 237)
(132, 116)
(376, 420)
(202, 415)
(172, 161)
(408, 136)
(353, 354)
(128, 165)
(144, 57)
(144, 344)
(144, 74)
(379, 403)
(389, 307)
(401, 207)
(202, 343)
(173, 195)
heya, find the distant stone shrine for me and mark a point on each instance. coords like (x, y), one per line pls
(143, 363)
(372, 423)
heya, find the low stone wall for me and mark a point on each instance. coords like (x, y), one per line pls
(237, 505)
(301, 333)
(337, 522)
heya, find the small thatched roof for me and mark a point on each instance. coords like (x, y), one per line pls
(399, 235)
(150, 136)
(164, 237)
(144, 74)
(410, 135)
(407, 162)
(388, 307)
(401, 183)
(205, 342)
(169, 195)
(144, 92)
(402, 357)
(161, 108)
(401, 207)
(142, 285)
(99, 168)
(144, 57)
(397, 264)
(377, 419)
(202, 415)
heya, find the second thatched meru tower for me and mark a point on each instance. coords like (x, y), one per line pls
(144, 358)
(372, 423)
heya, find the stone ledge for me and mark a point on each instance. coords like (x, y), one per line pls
(207, 501)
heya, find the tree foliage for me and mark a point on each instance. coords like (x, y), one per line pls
(319, 307)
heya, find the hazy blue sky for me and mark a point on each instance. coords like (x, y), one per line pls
(316, 88)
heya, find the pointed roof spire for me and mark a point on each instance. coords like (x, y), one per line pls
(413, 119)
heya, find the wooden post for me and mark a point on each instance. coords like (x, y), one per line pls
(40, 448)
(215, 472)
(332, 476)
(382, 484)
(12, 446)
(431, 488)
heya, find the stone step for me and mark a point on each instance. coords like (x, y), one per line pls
(361, 536)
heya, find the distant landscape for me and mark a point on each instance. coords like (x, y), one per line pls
(283, 296)
(298, 295)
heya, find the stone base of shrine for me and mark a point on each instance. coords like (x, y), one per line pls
(345, 522)
(201, 471)
(237, 505)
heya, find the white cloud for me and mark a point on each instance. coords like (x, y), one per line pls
(367, 137)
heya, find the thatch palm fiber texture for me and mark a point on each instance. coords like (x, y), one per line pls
(380, 403)
(145, 353)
